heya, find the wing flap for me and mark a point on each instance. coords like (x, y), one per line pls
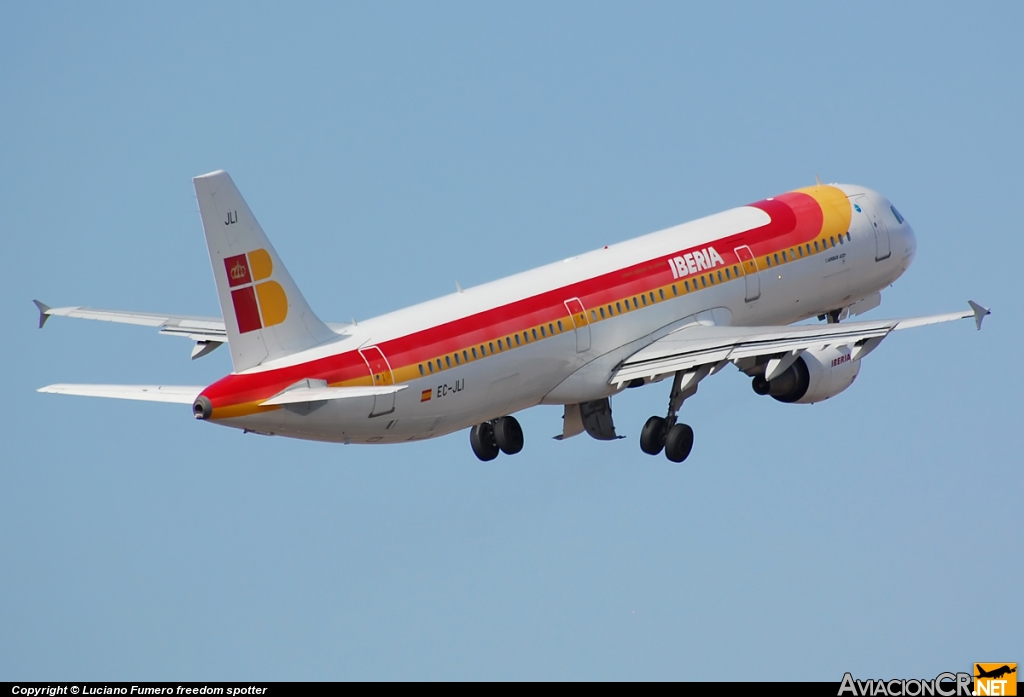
(175, 394)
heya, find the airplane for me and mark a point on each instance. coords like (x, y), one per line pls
(995, 673)
(678, 306)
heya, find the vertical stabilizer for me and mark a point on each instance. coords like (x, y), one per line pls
(265, 315)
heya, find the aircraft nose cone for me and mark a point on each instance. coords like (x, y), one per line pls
(910, 245)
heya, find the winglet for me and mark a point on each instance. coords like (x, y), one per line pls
(979, 313)
(44, 312)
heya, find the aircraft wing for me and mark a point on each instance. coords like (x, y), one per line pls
(208, 332)
(176, 394)
(702, 349)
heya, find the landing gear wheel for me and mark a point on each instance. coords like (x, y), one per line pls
(481, 437)
(508, 434)
(652, 437)
(678, 442)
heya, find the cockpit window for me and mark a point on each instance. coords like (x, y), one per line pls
(899, 218)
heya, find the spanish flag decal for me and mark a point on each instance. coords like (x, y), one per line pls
(425, 395)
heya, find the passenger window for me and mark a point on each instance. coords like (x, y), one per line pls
(727, 274)
(517, 340)
(501, 346)
(439, 366)
(776, 258)
(560, 330)
(720, 275)
(636, 305)
(800, 251)
(896, 214)
(456, 359)
(841, 240)
(551, 330)
(769, 260)
(847, 235)
(526, 337)
(652, 296)
(661, 292)
(833, 240)
(535, 334)
(644, 299)
(602, 313)
(816, 245)
(474, 353)
(483, 351)
(421, 369)
(704, 281)
(593, 315)
(448, 360)
(686, 285)
(618, 308)
(675, 291)
(490, 346)
(430, 366)
(808, 247)
(626, 303)
(784, 257)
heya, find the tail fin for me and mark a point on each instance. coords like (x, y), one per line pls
(265, 315)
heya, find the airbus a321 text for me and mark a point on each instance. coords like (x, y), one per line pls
(677, 306)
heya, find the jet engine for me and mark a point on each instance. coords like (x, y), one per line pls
(813, 377)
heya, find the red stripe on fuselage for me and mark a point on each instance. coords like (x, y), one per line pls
(795, 218)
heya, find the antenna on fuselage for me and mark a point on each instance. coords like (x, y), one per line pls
(818, 179)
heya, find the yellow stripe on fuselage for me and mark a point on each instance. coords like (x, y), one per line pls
(835, 209)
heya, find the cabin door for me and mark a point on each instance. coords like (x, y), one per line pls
(750, 272)
(580, 322)
(380, 373)
(882, 249)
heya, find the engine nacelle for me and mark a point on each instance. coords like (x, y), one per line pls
(814, 377)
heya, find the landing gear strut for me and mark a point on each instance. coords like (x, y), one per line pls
(491, 437)
(659, 433)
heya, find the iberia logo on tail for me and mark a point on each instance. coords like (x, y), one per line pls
(258, 302)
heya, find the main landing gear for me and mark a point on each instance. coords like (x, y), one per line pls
(659, 433)
(491, 437)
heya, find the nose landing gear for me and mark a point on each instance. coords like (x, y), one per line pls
(491, 437)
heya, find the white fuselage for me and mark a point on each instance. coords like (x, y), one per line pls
(575, 365)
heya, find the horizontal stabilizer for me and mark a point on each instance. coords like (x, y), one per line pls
(301, 395)
(176, 394)
(181, 323)
(207, 331)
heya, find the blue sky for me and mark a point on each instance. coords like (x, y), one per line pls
(391, 150)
